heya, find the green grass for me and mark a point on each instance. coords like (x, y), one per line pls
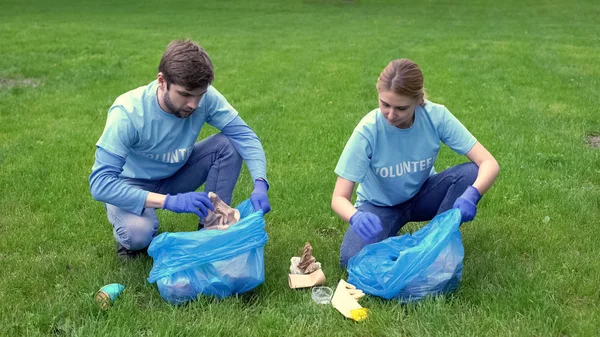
(523, 78)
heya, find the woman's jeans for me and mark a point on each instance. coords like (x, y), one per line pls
(436, 196)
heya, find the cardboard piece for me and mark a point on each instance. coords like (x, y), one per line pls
(305, 271)
(345, 301)
(315, 278)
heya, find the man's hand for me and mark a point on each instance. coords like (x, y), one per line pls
(259, 197)
(467, 203)
(191, 202)
(366, 224)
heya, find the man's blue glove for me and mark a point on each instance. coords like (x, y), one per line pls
(366, 224)
(259, 198)
(467, 203)
(191, 202)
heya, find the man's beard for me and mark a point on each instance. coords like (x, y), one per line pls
(178, 112)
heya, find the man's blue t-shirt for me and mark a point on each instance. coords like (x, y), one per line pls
(391, 164)
(155, 143)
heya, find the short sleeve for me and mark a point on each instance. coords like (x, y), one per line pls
(454, 134)
(355, 160)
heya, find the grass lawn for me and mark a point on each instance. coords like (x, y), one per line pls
(523, 77)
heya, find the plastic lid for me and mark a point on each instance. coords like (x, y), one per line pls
(322, 295)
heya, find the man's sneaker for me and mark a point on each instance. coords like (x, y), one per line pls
(125, 254)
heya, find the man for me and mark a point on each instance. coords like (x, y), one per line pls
(148, 157)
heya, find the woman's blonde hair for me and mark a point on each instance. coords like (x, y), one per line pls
(403, 77)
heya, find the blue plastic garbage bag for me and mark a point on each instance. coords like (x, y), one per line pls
(210, 262)
(410, 267)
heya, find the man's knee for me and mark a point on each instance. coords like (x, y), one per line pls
(226, 148)
(137, 233)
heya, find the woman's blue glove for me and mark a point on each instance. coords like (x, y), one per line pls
(366, 224)
(190, 202)
(467, 203)
(259, 198)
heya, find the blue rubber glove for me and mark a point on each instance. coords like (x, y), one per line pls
(190, 202)
(467, 203)
(366, 224)
(259, 198)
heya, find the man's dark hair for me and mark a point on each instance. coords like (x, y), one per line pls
(187, 64)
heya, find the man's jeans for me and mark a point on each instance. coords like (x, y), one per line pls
(436, 196)
(213, 162)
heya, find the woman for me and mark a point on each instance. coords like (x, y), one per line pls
(391, 154)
